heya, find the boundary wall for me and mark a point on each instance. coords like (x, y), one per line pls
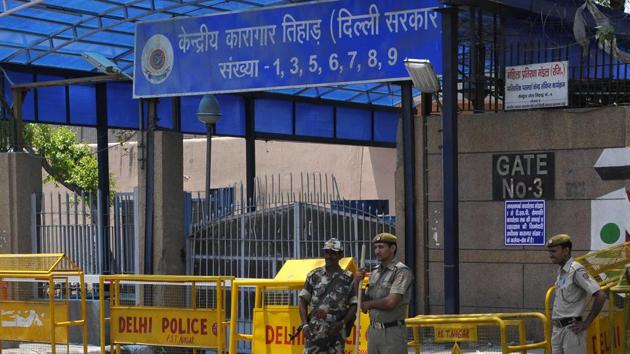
(576, 137)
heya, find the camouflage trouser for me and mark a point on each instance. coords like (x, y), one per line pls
(328, 345)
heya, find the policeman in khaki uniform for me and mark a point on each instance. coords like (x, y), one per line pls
(386, 299)
(330, 295)
(573, 286)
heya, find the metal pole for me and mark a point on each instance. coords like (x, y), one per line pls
(18, 127)
(427, 105)
(250, 152)
(103, 173)
(449, 160)
(150, 165)
(210, 128)
(409, 160)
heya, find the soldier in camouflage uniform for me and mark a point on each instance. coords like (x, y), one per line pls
(330, 295)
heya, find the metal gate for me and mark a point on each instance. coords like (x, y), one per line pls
(67, 223)
(252, 239)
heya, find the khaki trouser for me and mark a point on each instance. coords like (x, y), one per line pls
(391, 340)
(564, 341)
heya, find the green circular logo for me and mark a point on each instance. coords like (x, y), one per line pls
(610, 233)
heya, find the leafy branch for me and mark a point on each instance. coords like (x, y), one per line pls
(66, 160)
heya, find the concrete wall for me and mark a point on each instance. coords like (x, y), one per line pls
(20, 175)
(361, 172)
(168, 247)
(493, 277)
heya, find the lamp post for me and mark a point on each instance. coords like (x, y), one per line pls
(425, 80)
(208, 113)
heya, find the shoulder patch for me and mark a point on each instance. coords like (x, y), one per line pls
(582, 271)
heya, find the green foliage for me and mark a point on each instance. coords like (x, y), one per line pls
(605, 34)
(67, 161)
(6, 131)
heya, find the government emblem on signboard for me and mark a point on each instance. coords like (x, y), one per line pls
(157, 59)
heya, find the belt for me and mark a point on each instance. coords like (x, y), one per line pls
(383, 325)
(563, 322)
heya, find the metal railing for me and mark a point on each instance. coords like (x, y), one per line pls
(596, 79)
(189, 310)
(488, 331)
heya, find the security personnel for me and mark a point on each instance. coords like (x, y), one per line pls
(386, 299)
(572, 289)
(330, 294)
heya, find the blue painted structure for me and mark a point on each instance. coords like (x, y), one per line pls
(308, 44)
(277, 116)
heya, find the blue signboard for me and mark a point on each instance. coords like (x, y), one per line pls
(524, 222)
(318, 43)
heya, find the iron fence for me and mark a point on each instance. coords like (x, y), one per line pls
(595, 78)
(67, 223)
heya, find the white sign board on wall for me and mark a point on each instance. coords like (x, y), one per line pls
(537, 85)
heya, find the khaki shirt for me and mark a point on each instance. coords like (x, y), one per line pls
(395, 278)
(574, 286)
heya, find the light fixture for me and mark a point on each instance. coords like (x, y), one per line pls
(103, 64)
(209, 110)
(422, 75)
(208, 113)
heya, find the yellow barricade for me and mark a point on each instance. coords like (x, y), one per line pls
(615, 329)
(35, 290)
(275, 317)
(164, 311)
(432, 332)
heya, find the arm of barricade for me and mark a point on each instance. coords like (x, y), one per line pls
(415, 343)
(548, 318)
(518, 319)
(431, 320)
(548, 302)
(503, 320)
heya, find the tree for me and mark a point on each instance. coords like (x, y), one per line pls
(66, 160)
(618, 5)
